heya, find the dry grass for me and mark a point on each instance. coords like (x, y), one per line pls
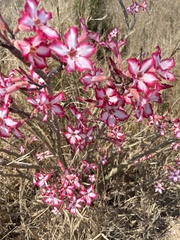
(127, 208)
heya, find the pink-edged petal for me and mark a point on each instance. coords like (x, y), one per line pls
(150, 79)
(25, 23)
(58, 97)
(148, 110)
(58, 109)
(71, 37)
(133, 66)
(142, 86)
(10, 122)
(32, 101)
(23, 46)
(36, 40)
(99, 93)
(31, 7)
(146, 65)
(154, 96)
(86, 50)
(3, 112)
(49, 32)
(166, 75)
(43, 51)
(72, 140)
(135, 94)
(88, 200)
(17, 133)
(86, 79)
(92, 195)
(70, 130)
(67, 135)
(59, 48)
(43, 16)
(4, 131)
(121, 115)
(111, 121)
(104, 116)
(44, 98)
(113, 100)
(70, 65)
(2, 92)
(167, 64)
(110, 92)
(83, 63)
(40, 62)
(75, 112)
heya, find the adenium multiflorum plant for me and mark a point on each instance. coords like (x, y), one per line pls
(114, 95)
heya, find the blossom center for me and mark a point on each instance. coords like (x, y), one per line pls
(73, 53)
(33, 50)
(37, 21)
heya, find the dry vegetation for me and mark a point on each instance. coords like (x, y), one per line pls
(127, 207)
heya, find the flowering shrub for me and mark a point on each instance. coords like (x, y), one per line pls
(111, 96)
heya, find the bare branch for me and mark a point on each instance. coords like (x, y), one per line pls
(156, 149)
(125, 14)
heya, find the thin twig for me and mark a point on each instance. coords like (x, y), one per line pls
(23, 165)
(19, 165)
(14, 175)
(125, 14)
(156, 149)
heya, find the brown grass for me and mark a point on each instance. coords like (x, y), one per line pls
(127, 208)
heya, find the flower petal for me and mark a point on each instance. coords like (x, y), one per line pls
(71, 38)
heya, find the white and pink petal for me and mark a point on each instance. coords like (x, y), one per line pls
(49, 32)
(133, 66)
(59, 48)
(83, 63)
(43, 51)
(71, 37)
(31, 7)
(146, 65)
(86, 50)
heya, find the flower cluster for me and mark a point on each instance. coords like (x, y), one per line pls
(135, 7)
(69, 191)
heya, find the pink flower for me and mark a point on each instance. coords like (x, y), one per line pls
(40, 179)
(88, 195)
(114, 33)
(44, 102)
(50, 197)
(75, 54)
(74, 204)
(92, 178)
(106, 95)
(73, 135)
(142, 73)
(87, 78)
(111, 114)
(163, 66)
(174, 175)
(159, 188)
(33, 20)
(35, 50)
(134, 8)
(6, 122)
